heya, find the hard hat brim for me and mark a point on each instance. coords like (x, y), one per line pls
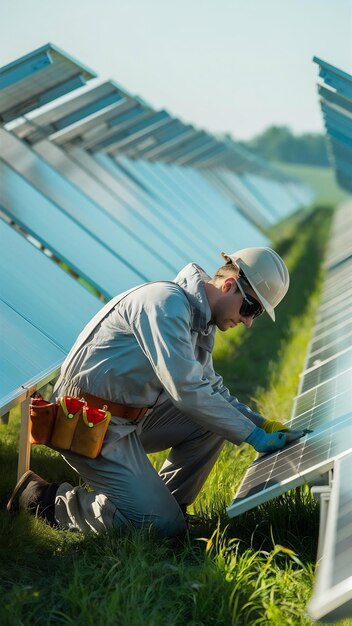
(268, 308)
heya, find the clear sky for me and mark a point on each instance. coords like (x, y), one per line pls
(233, 66)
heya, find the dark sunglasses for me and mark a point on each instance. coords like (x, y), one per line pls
(250, 307)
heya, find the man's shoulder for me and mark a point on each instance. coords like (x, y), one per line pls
(165, 291)
(166, 294)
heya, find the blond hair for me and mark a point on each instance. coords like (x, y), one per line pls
(229, 269)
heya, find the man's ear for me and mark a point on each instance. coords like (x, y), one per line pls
(228, 284)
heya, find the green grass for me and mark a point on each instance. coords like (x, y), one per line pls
(321, 179)
(254, 569)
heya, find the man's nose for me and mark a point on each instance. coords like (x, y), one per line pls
(247, 321)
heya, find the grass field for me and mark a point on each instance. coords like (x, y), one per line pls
(255, 569)
(321, 180)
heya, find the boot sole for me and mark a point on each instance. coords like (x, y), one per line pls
(13, 505)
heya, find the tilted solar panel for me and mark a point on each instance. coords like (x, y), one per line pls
(100, 100)
(91, 179)
(327, 410)
(42, 310)
(336, 105)
(332, 598)
(27, 357)
(38, 78)
(324, 403)
(78, 217)
(38, 289)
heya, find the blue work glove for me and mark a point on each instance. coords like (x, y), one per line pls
(269, 442)
(266, 442)
(272, 426)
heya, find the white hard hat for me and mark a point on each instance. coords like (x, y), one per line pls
(266, 273)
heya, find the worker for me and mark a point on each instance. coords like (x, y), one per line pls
(147, 357)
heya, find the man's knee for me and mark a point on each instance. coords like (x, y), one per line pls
(170, 526)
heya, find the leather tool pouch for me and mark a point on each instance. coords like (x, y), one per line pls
(90, 432)
(68, 414)
(42, 416)
(68, 425)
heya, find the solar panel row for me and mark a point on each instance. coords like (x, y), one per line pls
(115, 191)
(323, 404)
(332, 599)
(336, 105)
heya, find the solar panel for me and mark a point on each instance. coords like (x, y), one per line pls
(175, 187)
(38, 289)
(100, 100)
(334, 77)
(233, 186)
(27, 357)
(276, 194)
(336, 105)
(330, 348)
(327, 369)
(150, 232)
(42, 310)
(109, 119)
(62, 236)
(326, 409)
(38, 78)
(323, 404)
(332, 598)
(252, 183)
(91, 128)
(114, 245)
(136, 194)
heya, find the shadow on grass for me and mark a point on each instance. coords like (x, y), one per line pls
(44, 462)
(290, 520)
(245, 365)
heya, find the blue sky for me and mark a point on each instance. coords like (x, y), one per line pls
(224, 65)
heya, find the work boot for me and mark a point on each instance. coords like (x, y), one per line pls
(35, 495)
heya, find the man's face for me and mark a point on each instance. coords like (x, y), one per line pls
(226, 311)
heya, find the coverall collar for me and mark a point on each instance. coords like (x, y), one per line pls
(192, 279)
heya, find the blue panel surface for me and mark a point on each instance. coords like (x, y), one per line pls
(130, 185)
(26, 355)
(41, 292)
(62, 236)
(119, 237)
(154, 218)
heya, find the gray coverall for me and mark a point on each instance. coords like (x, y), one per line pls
(153, 349)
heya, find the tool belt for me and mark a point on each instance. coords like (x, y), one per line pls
(74, 424)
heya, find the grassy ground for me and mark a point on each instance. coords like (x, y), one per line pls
(255, 569)
(321, 179)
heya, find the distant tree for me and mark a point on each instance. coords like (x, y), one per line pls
(278, 143)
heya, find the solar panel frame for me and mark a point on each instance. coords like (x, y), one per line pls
(38, 78)
(92, 102)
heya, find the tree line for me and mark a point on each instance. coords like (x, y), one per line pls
(278, 143)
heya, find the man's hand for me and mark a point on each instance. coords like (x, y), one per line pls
(269, 442)
(273, 426)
